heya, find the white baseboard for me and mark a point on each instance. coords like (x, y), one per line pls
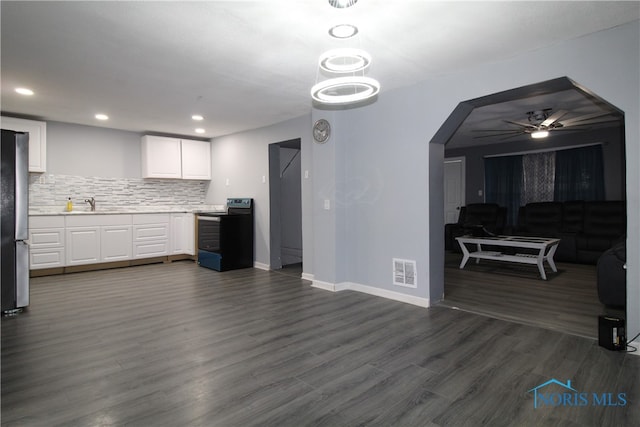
(384, 293)
(324, 285)
(261, 266)
(307, 276)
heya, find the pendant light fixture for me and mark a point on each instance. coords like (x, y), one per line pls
(345, 68)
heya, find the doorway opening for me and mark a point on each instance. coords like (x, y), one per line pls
(568, 301)
(285, 207)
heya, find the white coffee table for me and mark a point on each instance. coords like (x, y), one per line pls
(545, 246)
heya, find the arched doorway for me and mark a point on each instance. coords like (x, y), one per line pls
(457, 138)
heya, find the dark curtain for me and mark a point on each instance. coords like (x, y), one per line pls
(503, 183)
(579, 174)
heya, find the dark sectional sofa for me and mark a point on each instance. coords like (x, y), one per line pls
(586, 229)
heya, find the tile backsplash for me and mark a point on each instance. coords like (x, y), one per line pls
(51, 191)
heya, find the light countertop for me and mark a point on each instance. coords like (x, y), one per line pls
(124, 210)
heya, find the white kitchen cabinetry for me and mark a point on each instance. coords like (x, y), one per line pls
(37, 140)
(196, 159)
(182, 234)
(150, 235)
(46, 241)
(83, 245)
(98, 238)
(161, 157)
(164, 157)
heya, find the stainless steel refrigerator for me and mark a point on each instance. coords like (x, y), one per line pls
(14, 252)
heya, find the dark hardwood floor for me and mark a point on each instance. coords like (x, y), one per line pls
(180, 345)
(567, 301)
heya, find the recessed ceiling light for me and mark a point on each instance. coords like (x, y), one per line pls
(102, 117)
(197, 117)
(24, 91)
(200, 130)
(341, 4)
(343, 31)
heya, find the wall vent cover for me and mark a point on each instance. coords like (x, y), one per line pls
(405, 273)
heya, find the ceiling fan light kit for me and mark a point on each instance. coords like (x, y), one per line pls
(539, 134)
(345, 67)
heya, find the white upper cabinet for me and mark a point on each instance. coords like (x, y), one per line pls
(164, 157)
(37, 140)
(161, 157)
(196, 159)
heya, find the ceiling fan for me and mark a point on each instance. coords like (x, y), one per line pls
(541, 122)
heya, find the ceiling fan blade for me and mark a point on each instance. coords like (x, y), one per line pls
(594, 122)
(572, 122)
(554, 118)
(495, 135)
(496, 130)
(524, 125)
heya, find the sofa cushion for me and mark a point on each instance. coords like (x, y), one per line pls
(605, 219)
(543, 218)
(572, 216)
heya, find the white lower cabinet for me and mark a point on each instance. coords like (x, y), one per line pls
(69, 240)
(115, 243)
(83, 245)
(46, 242)
(92, 239)
(182, 234)
(151, 235)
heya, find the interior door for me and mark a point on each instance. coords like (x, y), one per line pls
(453, 188)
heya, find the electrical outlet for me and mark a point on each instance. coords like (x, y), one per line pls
(327, 204)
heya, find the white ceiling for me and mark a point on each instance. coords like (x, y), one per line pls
(248, 64)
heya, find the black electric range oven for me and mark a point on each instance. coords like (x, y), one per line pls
(225, 239)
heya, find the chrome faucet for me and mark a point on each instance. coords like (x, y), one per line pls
(91, 202)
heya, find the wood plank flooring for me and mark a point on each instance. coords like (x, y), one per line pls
(180, 345)
(566, 302)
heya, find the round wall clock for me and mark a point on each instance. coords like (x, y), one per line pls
(321, 131)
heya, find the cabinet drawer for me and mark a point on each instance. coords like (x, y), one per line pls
(46, 258)
(46, 237)
(150, 248)
(151, 232)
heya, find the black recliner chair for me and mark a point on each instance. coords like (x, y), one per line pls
(612, 276)
(491, 216)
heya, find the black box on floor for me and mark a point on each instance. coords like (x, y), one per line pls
(611, 333)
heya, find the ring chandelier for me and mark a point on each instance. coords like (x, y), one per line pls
(346, 68)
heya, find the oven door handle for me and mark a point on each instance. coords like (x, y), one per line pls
(209, 218)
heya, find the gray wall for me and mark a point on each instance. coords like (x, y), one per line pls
(239, 163)
(92, 151)
(612, 151)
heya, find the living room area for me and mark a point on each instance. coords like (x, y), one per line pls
(562, 195)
